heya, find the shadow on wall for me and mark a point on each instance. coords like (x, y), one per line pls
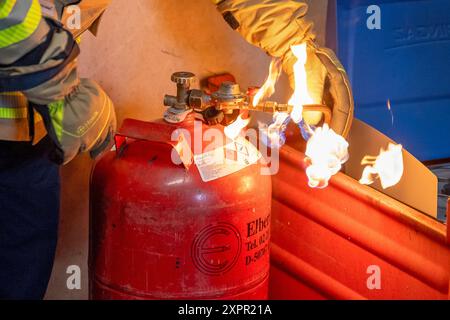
(138, 47)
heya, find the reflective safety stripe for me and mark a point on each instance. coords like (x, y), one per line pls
(23, 30)
(17, 15)
(15, 94)
(6, 7)
(13, 113)
(13, 106)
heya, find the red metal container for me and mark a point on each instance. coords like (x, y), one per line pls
(349, 241)
(159, 232)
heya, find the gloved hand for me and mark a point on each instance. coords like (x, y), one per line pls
(78, 114)
(81, 117)
(275, 26)
(38, 59)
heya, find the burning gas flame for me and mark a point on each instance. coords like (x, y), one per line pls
(390, 111)
(273, 135)
(388, 167)
(326, 151)
(233, 130)
(268, 87)
(301, 95)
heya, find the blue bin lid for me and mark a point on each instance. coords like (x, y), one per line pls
(407, 62)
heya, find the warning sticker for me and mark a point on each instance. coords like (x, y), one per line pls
(227, 159)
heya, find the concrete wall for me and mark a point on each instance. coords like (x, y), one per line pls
(140, 43)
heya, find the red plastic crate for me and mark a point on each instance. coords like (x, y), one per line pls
(324, 241)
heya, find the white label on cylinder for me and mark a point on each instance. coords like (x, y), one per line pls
(225, 160)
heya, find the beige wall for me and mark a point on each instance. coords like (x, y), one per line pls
(140, 43)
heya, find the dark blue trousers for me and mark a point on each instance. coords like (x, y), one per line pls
(29, 212)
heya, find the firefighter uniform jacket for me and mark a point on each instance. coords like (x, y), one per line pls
(40, 91)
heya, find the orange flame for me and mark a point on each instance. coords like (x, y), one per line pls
(326, 152)
(233, 130)
(390, 111)
(388, 167)
(301, 95)
(268, 87)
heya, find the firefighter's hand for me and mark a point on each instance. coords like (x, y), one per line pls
(275, 26)
(80, 118)
(105, 143)
(77, 113)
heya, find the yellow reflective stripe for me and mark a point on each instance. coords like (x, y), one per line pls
(6, 7)
(13, 113)
(216, 1)
(23, 30)
(15, 93)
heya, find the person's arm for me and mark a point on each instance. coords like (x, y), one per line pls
(275, 26)
(38, 57)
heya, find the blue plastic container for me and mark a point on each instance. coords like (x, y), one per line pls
(407, 62)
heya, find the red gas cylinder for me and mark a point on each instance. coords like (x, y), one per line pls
(159, 231)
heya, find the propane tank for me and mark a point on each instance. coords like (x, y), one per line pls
(169, 224)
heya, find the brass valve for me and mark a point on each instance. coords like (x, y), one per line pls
(186, 97)
(224, 105)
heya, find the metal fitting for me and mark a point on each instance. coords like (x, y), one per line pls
(229, 97)
(183, 80)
